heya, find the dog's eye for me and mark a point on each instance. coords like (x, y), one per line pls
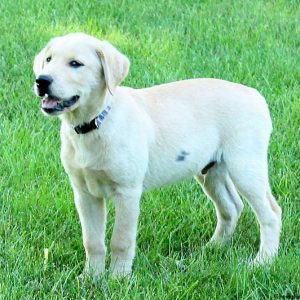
(75, 64)
(48, 59)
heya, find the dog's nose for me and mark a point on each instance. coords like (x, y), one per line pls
(43, 83)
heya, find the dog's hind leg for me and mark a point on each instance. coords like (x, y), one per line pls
(218, 186)
(248, 170)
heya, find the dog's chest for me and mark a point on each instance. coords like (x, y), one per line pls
(98, 183)
(85, 152)
(94, 167)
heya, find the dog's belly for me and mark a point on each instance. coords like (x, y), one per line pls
(158, 177)
(181, 151)
(167, 169)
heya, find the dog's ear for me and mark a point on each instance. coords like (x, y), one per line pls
(115, 65)
(38, 62)
(39, 59)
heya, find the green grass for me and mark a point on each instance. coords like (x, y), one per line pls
(252, 42)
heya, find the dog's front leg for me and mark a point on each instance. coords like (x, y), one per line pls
(125, 230)
(92, 214)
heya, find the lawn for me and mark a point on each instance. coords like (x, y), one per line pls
(253, 42)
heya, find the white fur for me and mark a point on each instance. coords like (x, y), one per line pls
(139, 146)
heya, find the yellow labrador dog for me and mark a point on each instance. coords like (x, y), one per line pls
(117, 142)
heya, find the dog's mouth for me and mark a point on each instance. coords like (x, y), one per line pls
(55, 105)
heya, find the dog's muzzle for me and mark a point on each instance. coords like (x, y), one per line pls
(54, 105)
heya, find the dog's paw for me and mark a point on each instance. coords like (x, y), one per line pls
(262, 260)
(91, 273)
(121, 269)
(218, 243)
(258, 261)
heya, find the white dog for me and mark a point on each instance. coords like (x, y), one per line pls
(118, 142)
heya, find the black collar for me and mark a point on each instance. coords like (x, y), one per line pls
(94, 123)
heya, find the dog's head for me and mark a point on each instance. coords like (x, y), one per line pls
(73, 69)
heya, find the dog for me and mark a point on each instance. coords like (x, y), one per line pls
(117, 142)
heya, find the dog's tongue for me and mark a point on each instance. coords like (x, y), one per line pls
(50, 102)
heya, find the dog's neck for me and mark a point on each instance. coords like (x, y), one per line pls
(85, 113)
